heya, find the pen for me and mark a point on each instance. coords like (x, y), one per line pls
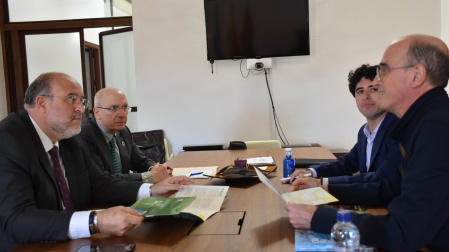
(288, 178)
(305, 175)
(196, 173)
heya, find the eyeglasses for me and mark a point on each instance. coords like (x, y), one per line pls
(383, 69)
(72, 99)
(116, 109)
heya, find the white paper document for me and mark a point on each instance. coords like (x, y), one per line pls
(208, 199)
(260, 160)
(195, 172)
(313, 196)
(267, 182)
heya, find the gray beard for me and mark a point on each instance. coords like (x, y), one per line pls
(62, 129)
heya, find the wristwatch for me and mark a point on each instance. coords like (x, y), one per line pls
(151, 193)
(93, 223)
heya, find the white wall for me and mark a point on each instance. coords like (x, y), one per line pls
(178, 93)
(32, 10)
(445, 21)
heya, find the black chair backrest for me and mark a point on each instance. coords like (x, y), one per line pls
(151, 143)
(237, 145)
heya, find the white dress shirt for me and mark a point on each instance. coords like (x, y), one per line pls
(79, 223)
(369, 149)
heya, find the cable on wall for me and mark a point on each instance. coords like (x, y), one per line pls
(277, 124)
(249, 71)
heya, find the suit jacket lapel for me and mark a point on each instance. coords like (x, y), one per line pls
(362, 161)
(103, 146)
(377, 141)
(381, 134)
(124, 157)
(40, 151)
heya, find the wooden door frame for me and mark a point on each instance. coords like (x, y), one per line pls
(14, 54)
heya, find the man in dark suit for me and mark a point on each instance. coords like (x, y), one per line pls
(110, 116)
(411, 80)
(48, 176)
(375, 154)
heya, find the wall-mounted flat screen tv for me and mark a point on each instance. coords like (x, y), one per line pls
(237, 29)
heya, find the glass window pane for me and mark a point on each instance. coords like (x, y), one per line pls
(91, 34)
(119, 68)
(58, 52)
(45, 10)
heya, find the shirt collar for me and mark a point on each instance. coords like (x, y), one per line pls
(46, 142)
(370, 135)
(108, 136)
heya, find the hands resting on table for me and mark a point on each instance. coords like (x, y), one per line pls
(300, 215)
(161, 172)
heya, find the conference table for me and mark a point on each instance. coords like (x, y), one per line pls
(252, 217)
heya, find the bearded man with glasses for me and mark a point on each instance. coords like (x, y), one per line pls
(48, 177)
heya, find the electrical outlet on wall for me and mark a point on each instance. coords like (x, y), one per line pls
(258, 64)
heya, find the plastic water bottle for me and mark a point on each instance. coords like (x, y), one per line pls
(345, 235)
(289, 163)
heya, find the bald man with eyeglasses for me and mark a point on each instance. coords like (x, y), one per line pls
(110, 141)
(411, 79)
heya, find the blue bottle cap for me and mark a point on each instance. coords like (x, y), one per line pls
(344, 215)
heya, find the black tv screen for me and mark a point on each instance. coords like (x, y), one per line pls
(237, 29)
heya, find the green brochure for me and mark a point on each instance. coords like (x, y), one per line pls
(152, 206)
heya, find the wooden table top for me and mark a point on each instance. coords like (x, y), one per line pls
(265, 226)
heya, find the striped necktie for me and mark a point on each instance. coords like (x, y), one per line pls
(112, 145)
(62, 183)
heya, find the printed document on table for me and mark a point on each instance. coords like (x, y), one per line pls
(208, 199)
(195, 172)
(260, 160)
(313, 196)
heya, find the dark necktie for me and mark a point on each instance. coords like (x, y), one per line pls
(61, 180)
(112, 144)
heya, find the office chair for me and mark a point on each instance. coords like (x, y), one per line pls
(168, 153)
(237, 145)
(152, 144)
(264, 144)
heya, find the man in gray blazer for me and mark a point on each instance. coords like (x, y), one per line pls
(110, 141)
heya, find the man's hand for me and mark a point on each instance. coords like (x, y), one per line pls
(170, 185)
(325, 188)
(300, 173)
(300, 215)
(118, 220)
(170, 170)
(160, 172)
(304, 183)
